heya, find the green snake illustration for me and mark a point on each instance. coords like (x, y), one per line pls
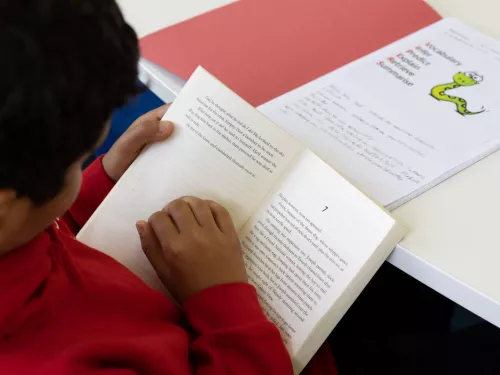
(459, 80)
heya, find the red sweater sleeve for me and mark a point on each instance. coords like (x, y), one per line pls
(95, 187)
(233, 336)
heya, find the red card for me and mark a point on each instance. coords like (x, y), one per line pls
(264, 48)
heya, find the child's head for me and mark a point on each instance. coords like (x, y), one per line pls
(66, 65)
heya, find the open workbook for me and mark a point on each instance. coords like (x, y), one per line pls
(311, 241)
(403, 119)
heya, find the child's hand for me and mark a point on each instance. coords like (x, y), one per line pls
(146, 129)
(193, 245)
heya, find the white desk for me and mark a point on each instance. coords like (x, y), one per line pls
(454, 247)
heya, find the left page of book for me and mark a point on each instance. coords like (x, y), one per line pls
(222, 149)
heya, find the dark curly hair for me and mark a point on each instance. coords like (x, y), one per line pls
(65, 66)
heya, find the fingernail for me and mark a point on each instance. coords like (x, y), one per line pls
(140, 227)
(165, 126)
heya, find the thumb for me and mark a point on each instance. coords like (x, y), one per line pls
(153, 251)
(163, 131)
(145, 132)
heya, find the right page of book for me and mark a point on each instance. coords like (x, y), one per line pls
(406, 117)
(311, 248)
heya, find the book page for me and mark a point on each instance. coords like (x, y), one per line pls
(404, 118)
(222, 149)
(306, 244)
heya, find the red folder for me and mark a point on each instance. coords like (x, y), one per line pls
(264, 48)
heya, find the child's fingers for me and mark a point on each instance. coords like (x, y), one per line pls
(145, 132)
(201, 211)
(163, 228)
(222, 217)
(153, 251)
(158, 113)
(165, 130)
(181, 214)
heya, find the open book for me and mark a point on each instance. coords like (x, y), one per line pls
(311, 240)
(404, 118)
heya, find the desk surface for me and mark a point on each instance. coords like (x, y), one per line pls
(454, 247)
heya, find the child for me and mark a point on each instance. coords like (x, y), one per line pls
(66, 308)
